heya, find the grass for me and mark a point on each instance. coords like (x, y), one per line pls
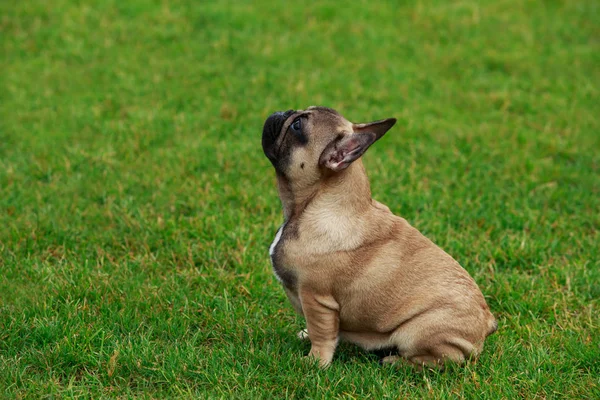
(136, 206)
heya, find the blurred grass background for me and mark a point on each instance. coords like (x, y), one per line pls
(136, 206)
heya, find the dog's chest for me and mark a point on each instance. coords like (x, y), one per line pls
(283, 273)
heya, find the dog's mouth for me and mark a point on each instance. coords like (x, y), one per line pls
(271, 131)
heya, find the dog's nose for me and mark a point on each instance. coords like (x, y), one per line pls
(271, 131)
(273, 125)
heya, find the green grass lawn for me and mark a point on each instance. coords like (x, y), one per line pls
(136, 206)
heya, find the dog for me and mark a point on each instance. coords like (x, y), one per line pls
(354, 270)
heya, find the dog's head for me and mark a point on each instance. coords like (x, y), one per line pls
(305, 145)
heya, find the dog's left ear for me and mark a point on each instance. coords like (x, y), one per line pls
(342, 151)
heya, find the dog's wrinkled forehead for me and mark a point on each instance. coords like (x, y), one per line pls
(327, 118)
(325, 110)
(325, 114)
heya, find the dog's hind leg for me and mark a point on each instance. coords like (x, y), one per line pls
(453, 350)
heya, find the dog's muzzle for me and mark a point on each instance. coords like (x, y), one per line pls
(271, 131)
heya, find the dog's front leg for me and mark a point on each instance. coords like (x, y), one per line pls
(322, 321)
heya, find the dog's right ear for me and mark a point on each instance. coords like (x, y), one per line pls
(348, 147)
(379, 128)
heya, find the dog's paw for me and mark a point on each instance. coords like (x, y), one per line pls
(303, 335)
(314, 359)
(389, 360)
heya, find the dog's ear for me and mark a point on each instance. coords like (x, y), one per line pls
(346, 148)
(379, 128)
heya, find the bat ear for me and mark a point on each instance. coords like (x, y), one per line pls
(345, 149)
(379, 128)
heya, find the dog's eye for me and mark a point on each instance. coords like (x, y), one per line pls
(297, 125)
(296, 128)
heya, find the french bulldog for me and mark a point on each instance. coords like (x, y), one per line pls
(352, 268)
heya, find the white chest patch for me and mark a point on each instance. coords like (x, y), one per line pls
(276, 240)
(272, 249)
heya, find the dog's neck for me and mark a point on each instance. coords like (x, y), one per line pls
(347, 191)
